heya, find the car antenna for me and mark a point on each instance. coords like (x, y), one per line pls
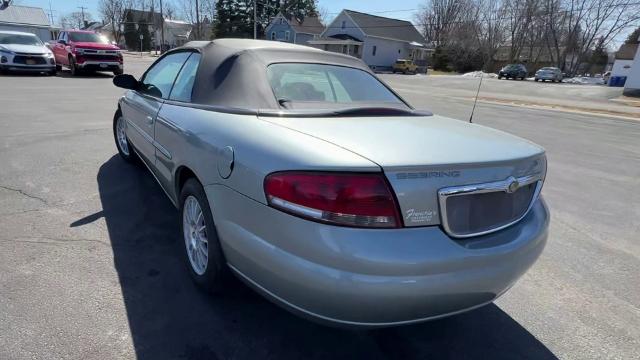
(475, 101)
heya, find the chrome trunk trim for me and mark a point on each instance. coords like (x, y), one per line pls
(509, 185)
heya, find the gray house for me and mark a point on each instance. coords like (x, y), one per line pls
(377, 40)
(27, 19)
(293, 30)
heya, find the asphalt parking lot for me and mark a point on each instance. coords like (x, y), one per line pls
(89, 245)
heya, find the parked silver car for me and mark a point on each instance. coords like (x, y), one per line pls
(316, 184)
(552, 74)
(20, 51)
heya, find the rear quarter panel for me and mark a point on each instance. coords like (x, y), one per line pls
(196, 138)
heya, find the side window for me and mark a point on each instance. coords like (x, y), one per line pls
(159, 78)
(184, 82)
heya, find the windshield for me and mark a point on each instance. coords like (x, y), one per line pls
(87, 37)
(17, 39)
(319, 85)
(549, 69)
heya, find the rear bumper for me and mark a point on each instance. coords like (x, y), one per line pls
(546, 77)
(370, 278)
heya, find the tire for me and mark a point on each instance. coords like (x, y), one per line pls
(536, 80)
(499, 77)
(126, 153)
(75, 71)
(210, 274)
(52, 73)
(58, 68)
(118, 72)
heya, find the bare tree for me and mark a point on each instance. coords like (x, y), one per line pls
(439, 18)
(114, 13)
(169, 10)
(75, 20)
(206, 10)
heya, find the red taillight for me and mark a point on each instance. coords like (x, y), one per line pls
(361, 200)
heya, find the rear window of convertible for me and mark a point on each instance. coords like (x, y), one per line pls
(296, 83)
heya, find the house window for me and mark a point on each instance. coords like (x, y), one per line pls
(273, 35)
(344, 49)
(286, 35)
(355, 50)
(375, 48)
(398, 51)
(344, 24)
(281, 21)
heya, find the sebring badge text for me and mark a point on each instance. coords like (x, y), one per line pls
(427, 174)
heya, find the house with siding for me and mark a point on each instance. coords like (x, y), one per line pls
(624, 60)
(293, 30)
(632, 85)
(378, 41)
(27, 19)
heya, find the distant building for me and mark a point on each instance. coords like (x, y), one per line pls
(293, 30)
(176, 32)
(27, 19)
(632, 85)
(377, 40)
(624, 60)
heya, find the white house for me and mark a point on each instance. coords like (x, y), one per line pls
(632, 86)
(27, 19)
(377, 40)
(624, 60)
(293, 30)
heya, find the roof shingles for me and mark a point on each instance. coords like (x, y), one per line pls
(24, 15)
(383, 27)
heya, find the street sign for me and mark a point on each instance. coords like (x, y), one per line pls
(141, 37)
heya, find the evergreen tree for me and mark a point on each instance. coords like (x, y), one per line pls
(633, 37)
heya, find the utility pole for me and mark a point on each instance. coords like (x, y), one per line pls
(255, 19)
(51, 13)
(161, 29)
(197, 21)
(82, 9)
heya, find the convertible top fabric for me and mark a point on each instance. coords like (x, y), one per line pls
(233, 74)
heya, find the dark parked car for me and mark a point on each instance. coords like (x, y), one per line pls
(513, 71)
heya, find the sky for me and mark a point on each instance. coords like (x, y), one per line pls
(402, 9)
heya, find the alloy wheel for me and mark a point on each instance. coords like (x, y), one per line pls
(195, 235)
(123, 143)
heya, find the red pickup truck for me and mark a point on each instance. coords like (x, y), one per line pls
(86, 51)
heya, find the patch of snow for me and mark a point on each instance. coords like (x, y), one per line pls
(584, 80)
(477, 74)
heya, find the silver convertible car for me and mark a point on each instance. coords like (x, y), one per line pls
(303, 174)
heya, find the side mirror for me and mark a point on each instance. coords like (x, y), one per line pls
(62, 42)
(126, 81)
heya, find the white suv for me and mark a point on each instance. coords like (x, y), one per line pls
(20, 51)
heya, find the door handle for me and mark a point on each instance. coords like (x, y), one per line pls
(149, 120)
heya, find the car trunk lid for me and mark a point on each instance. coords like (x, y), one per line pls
(423, 154)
